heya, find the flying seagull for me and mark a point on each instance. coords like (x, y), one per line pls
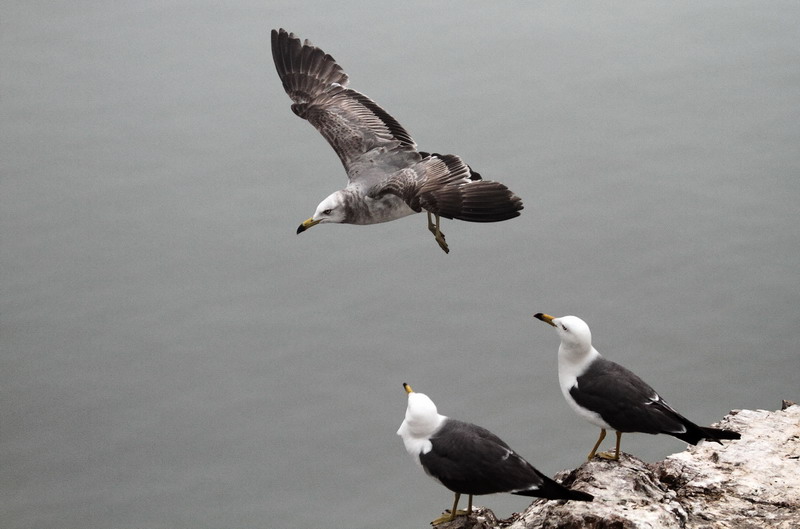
(388, 178)
(612, 397)
(468, 459)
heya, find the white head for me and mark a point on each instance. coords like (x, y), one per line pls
(421, 422)
(576, 338)
(332, 209)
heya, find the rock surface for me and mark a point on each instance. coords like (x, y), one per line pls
(751, 483)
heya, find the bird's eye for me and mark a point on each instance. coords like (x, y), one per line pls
(327, 212)
(564, 327)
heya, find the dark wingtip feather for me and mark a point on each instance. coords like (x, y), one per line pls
(694, 433)
(552, 490)
(715, 434)
(305, 70)
(577, 495)
(312, 77)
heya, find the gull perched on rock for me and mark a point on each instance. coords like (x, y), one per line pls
(469, 459)
(388, 177)
(612, 397)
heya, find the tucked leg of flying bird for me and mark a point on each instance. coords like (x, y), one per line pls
(451, 189)
(437, 233)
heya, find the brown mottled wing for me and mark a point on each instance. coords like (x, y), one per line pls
(443, 184)
(352, 123)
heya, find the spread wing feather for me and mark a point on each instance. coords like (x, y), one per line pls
(352, 123)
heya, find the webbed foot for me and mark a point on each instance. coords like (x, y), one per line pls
(448, 516)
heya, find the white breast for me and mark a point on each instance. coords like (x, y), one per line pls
(569, 369)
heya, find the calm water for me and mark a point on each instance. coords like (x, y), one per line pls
(173, 355)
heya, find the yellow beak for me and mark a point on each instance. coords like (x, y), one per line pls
(307, 224)
(407, 388)
(545, 318)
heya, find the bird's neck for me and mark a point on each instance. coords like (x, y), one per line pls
(573, 361)
(363, 209)
(425, 427)
(416, 433)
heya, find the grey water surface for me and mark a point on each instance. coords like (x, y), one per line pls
(173, 355)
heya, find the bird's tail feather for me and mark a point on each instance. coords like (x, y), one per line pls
(694, 433)
(552, 490)
(454, 191)
(715, 434)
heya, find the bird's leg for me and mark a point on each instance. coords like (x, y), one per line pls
(451, 515)
(437, 233)
(431, 226)
(615, 455)
(455, 507)
(597, 444)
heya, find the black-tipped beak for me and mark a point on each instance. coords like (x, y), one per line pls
(407, 388)
(307, 224)
(545, 318)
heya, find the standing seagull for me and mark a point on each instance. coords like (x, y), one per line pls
(388, 177)
(612, 397)
(468, 459)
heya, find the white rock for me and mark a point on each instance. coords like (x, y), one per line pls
(751, 483)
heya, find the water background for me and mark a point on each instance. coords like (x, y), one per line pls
(174, 356)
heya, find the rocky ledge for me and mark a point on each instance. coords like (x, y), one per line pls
(751, 483)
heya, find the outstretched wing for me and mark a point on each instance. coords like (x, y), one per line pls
(352, 123)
